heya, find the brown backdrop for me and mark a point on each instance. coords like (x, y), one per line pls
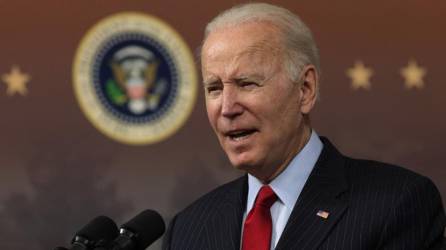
(58, 171)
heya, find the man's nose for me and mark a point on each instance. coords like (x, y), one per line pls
(231, 106)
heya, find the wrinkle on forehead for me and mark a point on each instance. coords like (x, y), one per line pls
(262, 54)
(263, 45)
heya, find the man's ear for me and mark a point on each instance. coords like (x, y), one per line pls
(309, 88)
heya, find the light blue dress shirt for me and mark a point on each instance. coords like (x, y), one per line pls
(287, 186)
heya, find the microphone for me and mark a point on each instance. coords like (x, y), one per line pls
(97, 232)
(139, 232)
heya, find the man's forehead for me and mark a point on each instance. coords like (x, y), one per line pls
(238, 51)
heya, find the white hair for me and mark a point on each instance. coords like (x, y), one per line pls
(299, 46)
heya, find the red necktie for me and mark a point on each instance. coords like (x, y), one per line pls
(258, 225)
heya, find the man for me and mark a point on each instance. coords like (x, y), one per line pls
(260, 70)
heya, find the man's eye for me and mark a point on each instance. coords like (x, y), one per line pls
(248, 84)
(213, 89)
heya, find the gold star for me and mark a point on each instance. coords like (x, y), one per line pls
(16, 81)
(413, 75)
(360, 75)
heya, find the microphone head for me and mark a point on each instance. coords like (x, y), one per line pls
(148, 227)
(100, 230)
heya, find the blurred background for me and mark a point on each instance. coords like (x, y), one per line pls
(382, 98)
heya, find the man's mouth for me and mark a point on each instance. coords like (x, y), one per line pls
(238, 135)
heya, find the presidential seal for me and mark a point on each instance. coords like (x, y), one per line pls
(134, 78)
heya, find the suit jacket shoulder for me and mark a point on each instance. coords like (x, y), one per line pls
(371, 205)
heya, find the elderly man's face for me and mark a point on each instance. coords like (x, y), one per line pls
(252, 105)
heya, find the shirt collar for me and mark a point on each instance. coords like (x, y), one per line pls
(289, 184)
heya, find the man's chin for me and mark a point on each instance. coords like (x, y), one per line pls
(242, 164)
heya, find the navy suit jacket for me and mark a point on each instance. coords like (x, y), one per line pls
(371, 205)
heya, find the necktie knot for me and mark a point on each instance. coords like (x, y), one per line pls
(266, 197)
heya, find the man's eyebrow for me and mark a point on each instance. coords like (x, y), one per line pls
(210, 81)
(251, 77)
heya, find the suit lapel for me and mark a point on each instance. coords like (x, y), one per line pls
(323, 196)
(225, 227)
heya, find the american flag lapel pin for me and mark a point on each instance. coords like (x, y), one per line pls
(323, 214)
